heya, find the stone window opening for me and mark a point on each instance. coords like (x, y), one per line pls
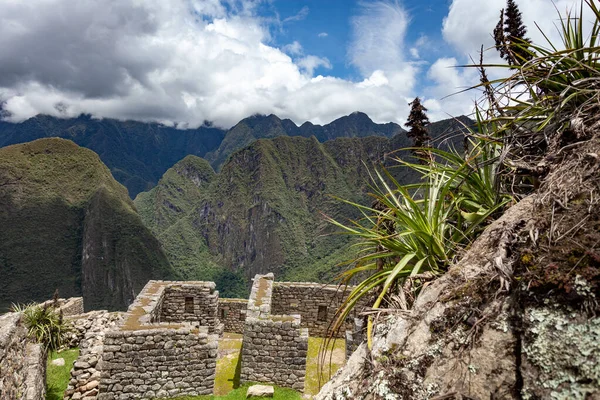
(189, 305)
(223, 313)
(322, 314)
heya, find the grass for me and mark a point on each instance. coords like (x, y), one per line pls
(227, 377)
(57, 378)
(312, 381)
(227, 374)
(240, 394)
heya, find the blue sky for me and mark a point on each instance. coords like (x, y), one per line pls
(333, 17)
(182, 62)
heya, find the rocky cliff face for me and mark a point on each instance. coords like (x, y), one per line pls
(68, 225)
(515, 318)
(263, 212)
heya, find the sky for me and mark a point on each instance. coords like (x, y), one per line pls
(186, 62)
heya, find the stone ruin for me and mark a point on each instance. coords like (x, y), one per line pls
(23, 362)
(274, 346)
(165, 345)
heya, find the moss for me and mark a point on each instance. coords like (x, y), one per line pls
(227, 373)
(313, 380)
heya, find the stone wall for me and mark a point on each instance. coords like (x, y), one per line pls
(195, 302)
(89, 330)
(275, 346)
(22, 363)
(70, 306)
(232, 313)
(158, 363)
(315, 303)
(147, 357)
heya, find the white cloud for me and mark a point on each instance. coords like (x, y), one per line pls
(294, 48)
(378, 36)
(302, 14)
(445, 95)
(323, 35)
(183, 62)
(311, 63)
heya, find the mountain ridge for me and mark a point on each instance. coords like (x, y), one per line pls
(262, 212)
(139, 153)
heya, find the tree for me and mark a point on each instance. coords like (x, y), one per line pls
(509, 35)
(417, 121)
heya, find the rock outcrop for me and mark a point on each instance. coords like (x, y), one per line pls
(516, 318)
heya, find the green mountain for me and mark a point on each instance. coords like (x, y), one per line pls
(68, 225)
(263, 212)
(137, 153)
(257, 127)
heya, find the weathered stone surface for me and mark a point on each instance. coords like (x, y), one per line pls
(89, 334)
(59, 362)
(260, 391)
(22, 363)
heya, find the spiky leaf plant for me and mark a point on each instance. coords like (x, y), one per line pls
(419, 229)
(45, 324)
(554, 87)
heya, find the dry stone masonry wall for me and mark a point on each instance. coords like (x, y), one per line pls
(22, 363)
(196, 302)
(69, 307)
(147, 357)
(232, 313)
(275, 346)
(89, 333)
(314, 302)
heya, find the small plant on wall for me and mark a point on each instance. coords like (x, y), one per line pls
(45, 324)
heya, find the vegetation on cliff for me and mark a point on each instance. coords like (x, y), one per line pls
(68, 225)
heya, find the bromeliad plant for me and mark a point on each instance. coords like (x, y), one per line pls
(416, 229)
(549, 89)
(45, 325)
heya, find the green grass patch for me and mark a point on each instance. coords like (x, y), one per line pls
(227, 375)
(240, 394)
(333, 362)
(57, 378)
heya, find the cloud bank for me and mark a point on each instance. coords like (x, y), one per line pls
(183, 62)
(177, 62)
